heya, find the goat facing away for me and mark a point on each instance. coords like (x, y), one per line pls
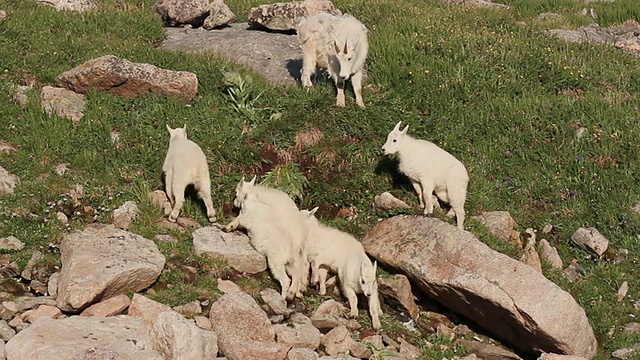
(337, 43)
(331, 249)
(430, 170)
(186, 164)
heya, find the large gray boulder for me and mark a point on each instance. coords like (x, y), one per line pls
(509, 299)
(123, 337)
(234, 247)
(101, 262)
(182, 12)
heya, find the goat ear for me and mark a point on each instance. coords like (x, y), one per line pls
(313, 211)
(397, 127)
(406, 128)
(345, 47)
(169, 128)
(253, 181)
(337, 47)
(375, 266)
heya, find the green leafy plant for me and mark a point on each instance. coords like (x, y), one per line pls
(288, 178)
(242, 91)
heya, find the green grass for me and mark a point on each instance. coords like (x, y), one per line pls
(485, 84)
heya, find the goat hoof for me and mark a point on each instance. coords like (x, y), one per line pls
(212, 219)
(172, 219)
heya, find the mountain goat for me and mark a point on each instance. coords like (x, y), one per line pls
(283, 212)
(337, 43)
(270, 236)
(430, 169)
(186, 164)
(331, 249)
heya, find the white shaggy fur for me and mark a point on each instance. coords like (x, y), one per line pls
(331, 249)
(186, 164)
(430, 169)
(270, 235)
(337, 43)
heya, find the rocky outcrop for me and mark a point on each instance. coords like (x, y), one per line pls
(122, 77)
(124, 262)
(283, 16)
(509, 299)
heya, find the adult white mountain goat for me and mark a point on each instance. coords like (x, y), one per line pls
(186, 164)
(430, 169)
(331, 249)
(337, 43)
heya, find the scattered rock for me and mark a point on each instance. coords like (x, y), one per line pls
(52, 285)
(631, 328)
(408, 350)
(110, 307)
(189, 309)
(397, 292)
(125, 214)
(243, 329)
(510, 299)
(626, 353)
(122, 77)
(234, 247)
(386, 201)
(67, 338)
(7, 147)
(275, 301)
(180, 339)
(622, 291)
(227, 286)
(549, 356)
(549, 254)
(328, 315)
(30, 302)
(3, 15)
(530, 256)
(102, 262)
(546, 16)
(62, 169)
(166, 238)
(186, 222)
(219, 15)
(6, 332)
(299, 332)
(11, 243)
(8, 182)
(488, 351)
(502, 225)
(47, 311)
(573, 272)
(283, 16)
(159, 198)
(203, 322)
(182, 12)
(19, 95)
(71, 5)
(146, 309)
(62, 102)
(302, 354)
(31, 264)
(590, 240)
(339, 341)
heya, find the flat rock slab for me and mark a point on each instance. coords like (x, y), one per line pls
(73, 337)
(509, 299)
(276, 56)
(234, 247)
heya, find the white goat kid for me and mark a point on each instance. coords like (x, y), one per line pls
(284, 212)
(331, 249)
(271, 237)
(186, 164)
(337, 43)
(430, 169)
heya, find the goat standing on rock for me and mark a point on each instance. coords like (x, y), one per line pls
(430, 169)
(337, 43)
(186, 164)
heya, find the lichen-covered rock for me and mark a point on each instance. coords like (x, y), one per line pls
(284, 15)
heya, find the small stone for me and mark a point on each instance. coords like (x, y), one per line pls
(386, 201)
(622, 291)
(38, 287)
(62, 102)
(11, 243)
(547, 229)
(6, 332)
(573, 272)
(580, 132)
(166, 238)
(109, 307)
(189, 309)
(43, 311)
(203, 322)
(227, 286)
(6, 147)
(591, 240)
(549, 254)
(62, 217)
(125, 214)
(52, 285)
(3, 14)
(219, 15)
(626, 353)
(275, 301)
(159, 198)
(631, 328)
(186, 222)
(28, 270)
(62, 169)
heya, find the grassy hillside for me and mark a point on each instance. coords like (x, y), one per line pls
(482, 83)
